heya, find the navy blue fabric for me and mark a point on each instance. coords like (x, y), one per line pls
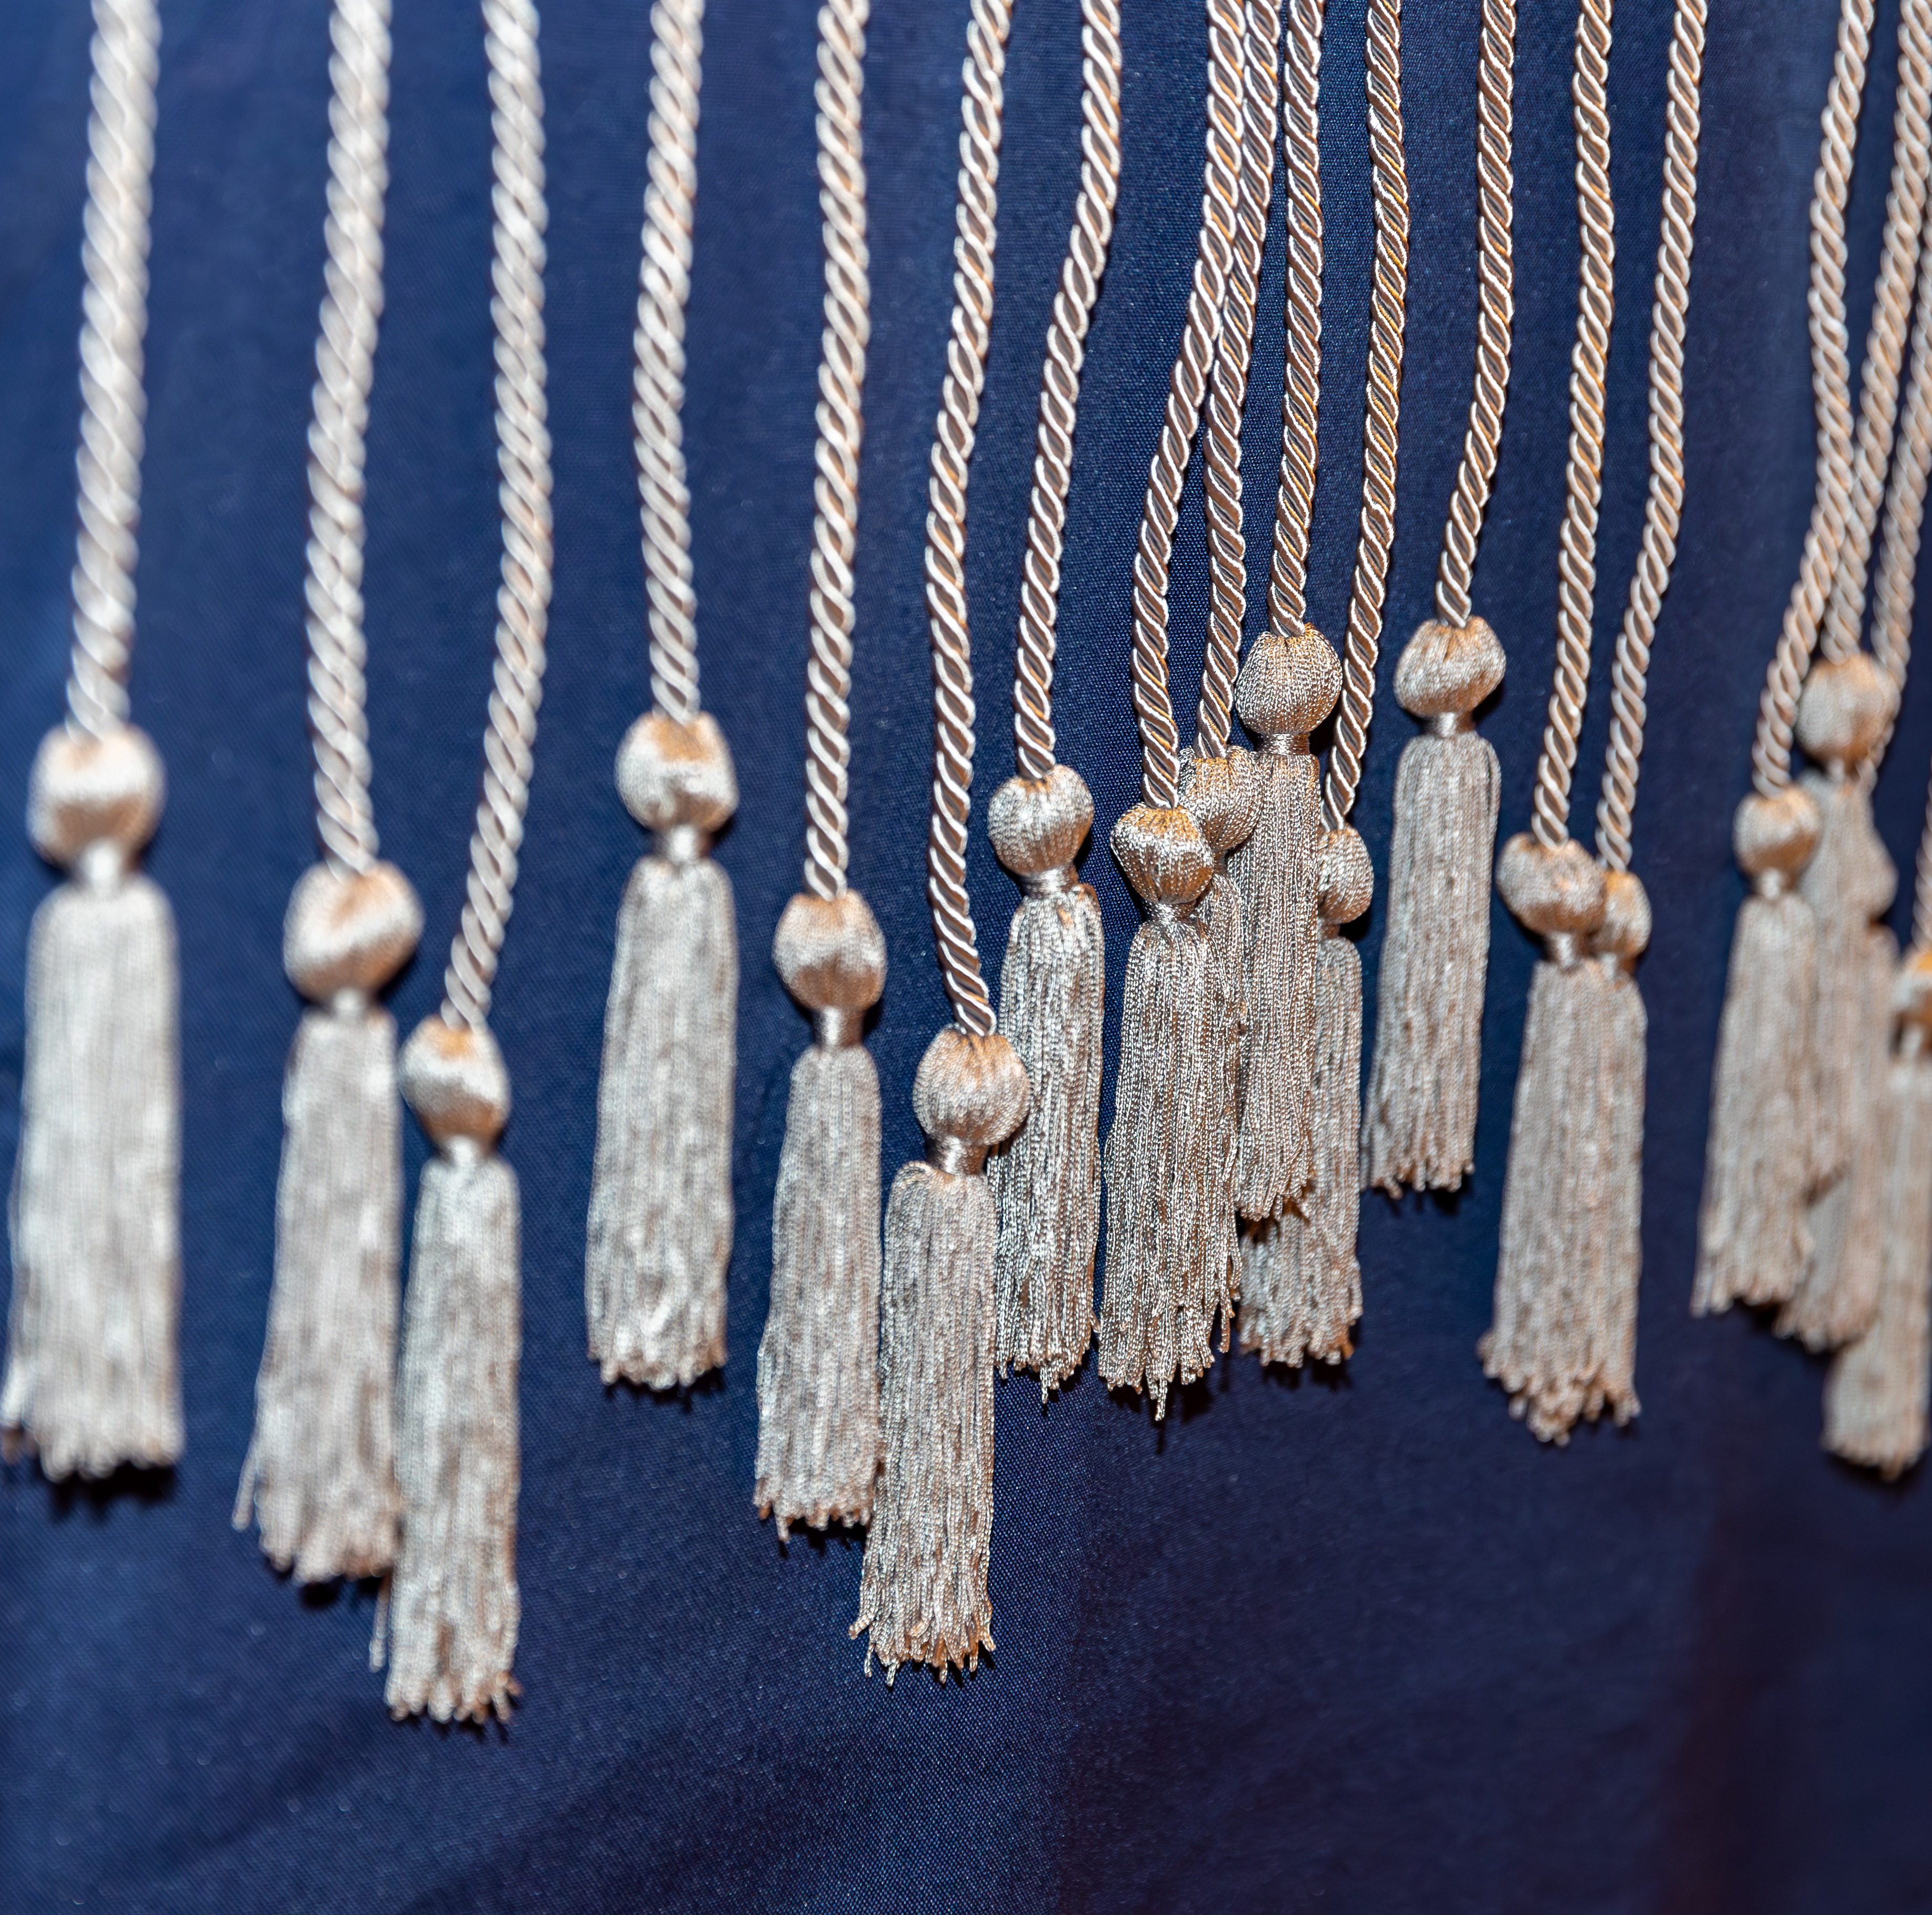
(1351, 1642)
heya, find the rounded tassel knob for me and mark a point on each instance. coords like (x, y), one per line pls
(87, 795)
(453, 1078)
(1289, 682)
(1557, 893)
(1037, 825)
(1446, 671)
(349, 931)
(1166, 857)
(677, 779)
(1844, 708)
(970, 1093)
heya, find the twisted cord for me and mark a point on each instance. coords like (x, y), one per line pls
(523, 458)
(1389, 180)
(1657, 552)
(981, 104)
(1228, 393)
(841, 425)
(657, 384)
(1060, 384)
(1583, 477)
(1831, 386)
(1496, 187)
(1187, 387)
(1301, 380)
(345, 364)
(114, 320)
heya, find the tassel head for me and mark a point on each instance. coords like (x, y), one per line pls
(453, 1078)
(1844, 711)
(1558, 892)
(1446, 671)
(1038, 825)
(672, 775)
(349, 931)
(91, 801)
(832, 955)
(1289, 683)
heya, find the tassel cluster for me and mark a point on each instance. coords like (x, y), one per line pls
(92, 1380)
(1046, 1179)
(320, 1473)
(922, 1591)
(1419, 1121)
(818, 1364)
(660, 1230)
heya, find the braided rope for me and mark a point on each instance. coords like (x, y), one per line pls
(1496, 187)
(1060, 383)
(523, 458)
(1301, 380)
(345, 364)
(1187, 387)
(114, 321)
(657, 404)
(1657, 550)
(1831, 385)
(835, 491)
(1583, 476)
(1228, 392)
(981, 104)
(1390, 183)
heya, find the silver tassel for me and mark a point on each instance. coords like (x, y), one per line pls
(1420, 1114)
(1875, 1396)
(453, 1608)
(92, 1380)
(1301, 1284)
(1752, 1240)
(1288, 684)
(660, 1228)
(922, 1591)
(1053, 983)
(818, 1364)
(1156, 1319)
(320, 1474)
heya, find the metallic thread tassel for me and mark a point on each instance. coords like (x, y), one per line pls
(922, 1591)
(1046, 1180)
(92, 1380)
(660, 1229)
(1420, 1114)
(818, 1359)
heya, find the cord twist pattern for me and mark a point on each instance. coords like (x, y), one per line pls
(1228, 392)
(1830, 386)
(1389, 183)
(835, 491)
(657, 403)
(1187, 388)
(976, 227)
(1657, 551)
(523, 458)
(1059, 385)
(1583, 477)
(1495, 188)
(1301, 380)
(114, 323)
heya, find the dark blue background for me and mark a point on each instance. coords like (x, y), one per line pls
(1353, 1643)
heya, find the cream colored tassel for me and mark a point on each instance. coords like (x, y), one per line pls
(1046, 1180)
(1752, 1240)
(660, 1231)
(1420, 1114)
(320, 1474)
(922, 1591)
(454, 1606)
(92, 1380)
(818, 1361)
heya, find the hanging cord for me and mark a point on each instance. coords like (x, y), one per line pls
(523, 458)
(1831, 385)
(1657, 550)
(345, 362)
(657, 407)
(1228, 393)
(1160, 744)
(1496, 187)
(835, 492)
(1059, 385)
(114, 321)
(1583, 476)
(1390, 181)
(981, 105)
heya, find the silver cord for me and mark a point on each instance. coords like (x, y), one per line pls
(981, 103)
(523, 458)
(841, 424)
(114, 321)
(1093, 233)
